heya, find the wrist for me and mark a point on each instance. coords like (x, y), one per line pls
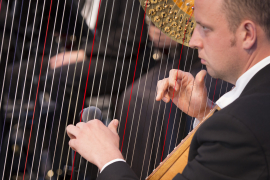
(106, 158)
(209, 105)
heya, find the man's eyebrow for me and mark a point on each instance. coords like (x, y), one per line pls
(198, 22)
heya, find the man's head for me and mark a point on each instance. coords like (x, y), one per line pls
(229, 38)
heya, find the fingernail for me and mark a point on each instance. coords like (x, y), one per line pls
(165, 99)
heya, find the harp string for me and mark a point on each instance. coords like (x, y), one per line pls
(125, 53)
(138, 125)
(63, 94)
(117, 54)
(174, 90)
(133, 78)
(137, 89)
(16, 86)
(122, 63)
(36, 141)
(163, 122)
(62, 102)
(214, 93)
(104, 59)
(86, 82)
(71, 96)
(220, 88)
(156, 123)
(153, 108)
(65, 89)
(37, 90)
(193, 112)
(90, 98)
(52, 83)
(3, 38)
(31, 79)
(165, 109)
(123, 59)
(136, 99)
(94, 78)
(24, 80)
(148, 99)
(150, 157)
(5, 74)
(73, 80)
(71, 91)
(189, 107)
(152, 80)
(177, 103)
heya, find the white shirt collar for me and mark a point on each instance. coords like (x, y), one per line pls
(241, 83)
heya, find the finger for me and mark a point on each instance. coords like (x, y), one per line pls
(166, 98)
(177, 78)
(80, 125)
(72, 144)
(72, 131)
(113, 126)
(199, 79)
(162, 88)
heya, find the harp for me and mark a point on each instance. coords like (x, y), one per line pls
(34, 110)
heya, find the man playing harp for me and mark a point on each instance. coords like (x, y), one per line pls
(233, 40)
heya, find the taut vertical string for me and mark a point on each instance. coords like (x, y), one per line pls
(5, 74)
(63, 95)
(24, 79)
(174, 90)
(37, 89)
(71, 95)
(31, 79)
(153, 107)
(3, 37)
(16, 85)
(134, 77)
(177, 103)
(57, 88)
(87, 81)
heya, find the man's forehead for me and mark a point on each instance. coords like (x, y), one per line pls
(205, 9)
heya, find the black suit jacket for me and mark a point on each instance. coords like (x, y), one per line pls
(233, 144)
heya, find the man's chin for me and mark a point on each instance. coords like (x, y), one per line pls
(212, 73)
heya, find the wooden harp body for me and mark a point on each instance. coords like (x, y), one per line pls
(178, 159)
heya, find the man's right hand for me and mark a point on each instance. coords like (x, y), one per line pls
(187, 93)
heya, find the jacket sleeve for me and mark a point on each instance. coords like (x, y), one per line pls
(224, 148)
(117, 171)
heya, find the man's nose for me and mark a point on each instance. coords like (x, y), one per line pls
(195, 41)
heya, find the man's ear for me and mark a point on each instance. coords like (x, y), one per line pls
(248, 34)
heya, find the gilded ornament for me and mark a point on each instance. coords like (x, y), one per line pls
(172, 33)
(156, 19)
(152, 12)
(163, 14)
(167, 29)
(174, 24)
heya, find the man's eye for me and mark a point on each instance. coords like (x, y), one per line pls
(204, 27)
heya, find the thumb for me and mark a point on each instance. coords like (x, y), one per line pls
(113, 126)
(199, 79)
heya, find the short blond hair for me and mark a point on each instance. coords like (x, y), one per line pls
(256, 10)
